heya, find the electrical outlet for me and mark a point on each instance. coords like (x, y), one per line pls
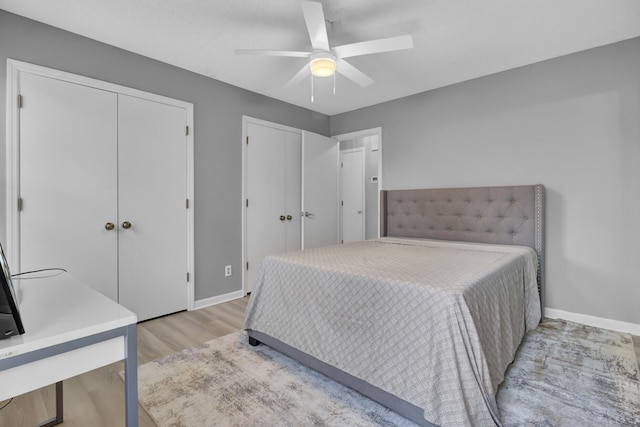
(227, 270)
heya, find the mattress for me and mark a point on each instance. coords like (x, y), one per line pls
(434, 323)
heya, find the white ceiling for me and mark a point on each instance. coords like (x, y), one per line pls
(455, 40)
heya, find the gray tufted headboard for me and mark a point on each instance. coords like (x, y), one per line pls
(501, 215)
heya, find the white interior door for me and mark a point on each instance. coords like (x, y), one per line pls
(292, 169)
(272, 179)
(152, 192)
(352, 194)
(68, 181)
(320, 190)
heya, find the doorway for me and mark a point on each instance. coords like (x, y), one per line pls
(370, 140)
(352, 204)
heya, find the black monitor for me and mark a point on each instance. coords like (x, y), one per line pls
(10, 321)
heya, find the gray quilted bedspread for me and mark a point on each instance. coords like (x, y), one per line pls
(434, 323)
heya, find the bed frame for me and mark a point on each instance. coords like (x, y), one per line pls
(512, 215)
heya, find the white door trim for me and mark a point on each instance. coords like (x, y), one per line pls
(246, 120)
(14, 68)
(368, 132)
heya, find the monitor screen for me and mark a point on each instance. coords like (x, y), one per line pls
(10, 321)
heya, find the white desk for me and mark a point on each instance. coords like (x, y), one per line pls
(69, 329)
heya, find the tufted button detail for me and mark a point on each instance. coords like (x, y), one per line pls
(525, 217)
(513, 200)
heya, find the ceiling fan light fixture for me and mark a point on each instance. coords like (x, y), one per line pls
(323, 65)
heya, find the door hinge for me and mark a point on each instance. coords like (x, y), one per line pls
(187, 132)
(19, 204)
(187, 276)
(247, 265)
(247, 140)
(19, 101)
(341, 202)
(341, 164)
(247, 204)
(187, 203)
(342, 241)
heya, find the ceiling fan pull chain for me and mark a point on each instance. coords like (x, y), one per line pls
(311, 87)
(334, 83)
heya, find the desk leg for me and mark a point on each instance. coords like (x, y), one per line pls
(131, 376)
(59, 418)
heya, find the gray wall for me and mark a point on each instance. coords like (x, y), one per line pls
(572, 124)
(218, 131)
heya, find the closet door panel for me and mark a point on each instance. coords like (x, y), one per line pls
(265, 180)
(152, 188)
(320, 190)
(68, 181)
(293, 190)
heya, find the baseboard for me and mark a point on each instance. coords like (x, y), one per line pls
(599, 322)
(202, 303)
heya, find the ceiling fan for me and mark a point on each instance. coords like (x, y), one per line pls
(325, 61)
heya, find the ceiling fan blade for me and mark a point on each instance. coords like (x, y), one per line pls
(299, 77)
(374, 46)
(314, 17)
(265, 52)
(352, 73)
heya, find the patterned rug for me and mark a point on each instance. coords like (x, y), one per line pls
(565, 374)
(568, 374)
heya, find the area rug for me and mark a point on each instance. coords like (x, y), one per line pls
(226, 382)
(569, 374)
(565, 374)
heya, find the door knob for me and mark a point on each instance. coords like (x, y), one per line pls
(109, 226)
(289, 217)
(282, 218)
(126, 225)
(308, 214)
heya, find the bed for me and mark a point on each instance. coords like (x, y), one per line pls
(426, 319)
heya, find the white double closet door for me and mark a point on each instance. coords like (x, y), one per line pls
(291, 188)
(102, 178)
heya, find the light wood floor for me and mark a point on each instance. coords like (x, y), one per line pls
(97, 398)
